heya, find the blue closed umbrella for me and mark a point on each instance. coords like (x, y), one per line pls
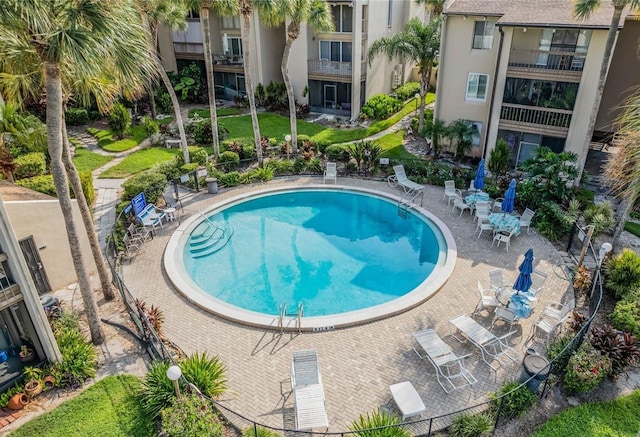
(509, 197)
(478, 181)
(523, 281)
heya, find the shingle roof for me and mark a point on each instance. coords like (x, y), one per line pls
(533, 12)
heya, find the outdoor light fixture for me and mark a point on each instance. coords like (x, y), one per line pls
(174, 373)
(604, 250)
(417, 96)
(287, 138)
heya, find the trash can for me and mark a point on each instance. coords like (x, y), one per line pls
(212, 185)
(532, 364)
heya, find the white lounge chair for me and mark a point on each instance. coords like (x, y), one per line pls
(491, 347)
(449, 368)
(305, 369)
(310, 411)
(400, 178)
(330, 173)
(449, 191)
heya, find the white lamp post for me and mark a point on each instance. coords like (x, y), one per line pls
(604, 250)
(174, 373)
(417, 96)
(287, 138)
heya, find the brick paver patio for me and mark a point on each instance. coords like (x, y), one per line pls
(358, 364)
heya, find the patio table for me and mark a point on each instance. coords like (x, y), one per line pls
(471, 199)
(504, 222)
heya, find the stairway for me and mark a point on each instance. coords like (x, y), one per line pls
(207, 238)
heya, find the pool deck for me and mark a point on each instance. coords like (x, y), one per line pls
(357, 364)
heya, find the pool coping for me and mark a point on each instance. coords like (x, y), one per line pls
(174, 267)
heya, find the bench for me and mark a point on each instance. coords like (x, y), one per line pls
(170, 142)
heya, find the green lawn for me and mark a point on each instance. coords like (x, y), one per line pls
(86, 160)
(108, 408)
(392, 146)
(205, 113)
(616, 418)
(632, 227)
(106, 141)
(139, 161)
(271, 125)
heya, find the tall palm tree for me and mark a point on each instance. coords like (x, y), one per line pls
(417, 43)
(60, 33)
(173, 13)
(583, 10)
(318, 15)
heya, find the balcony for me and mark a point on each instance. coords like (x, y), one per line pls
(227, 63)
(536, 119)
(541, 64)
(189, 50)
(332, 69)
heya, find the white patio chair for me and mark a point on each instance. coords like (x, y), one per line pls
(559, 312)
(538, 279)
(505, 314)
(482, 212)
(497, 205)
(525, 219)
(543, 330)
(449, 191)
(400, 178)
(459, 203)
(503, 237)
(330, 173)
(484, 226)
(486, 300)
(139, 234)
(449, 367)
(496, 280)
(130, 245)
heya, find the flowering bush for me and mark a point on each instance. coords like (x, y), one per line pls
(586, 368)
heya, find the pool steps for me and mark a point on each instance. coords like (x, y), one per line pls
(210, 240)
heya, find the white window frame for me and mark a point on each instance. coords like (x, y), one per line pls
(474, 97)
(234, 19)
(239, 44)
(341, 18)
(486, 39)
(342, 49)
(476, 139)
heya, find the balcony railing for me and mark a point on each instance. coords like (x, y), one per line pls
(547, 60)
(188, 48)
(329, 68)
(227, 59)
(531, 115)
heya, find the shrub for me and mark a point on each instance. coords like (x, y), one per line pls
(188, 168)
(205, 372)
(86, 180)
(119, 120)
(190, 416)
(229, 160)
(230, 179)
(499, 158)
(197, 155)
(157, 391)
(366, 154)
(620, 347)
(407, 91)
(281, 166)
(201, 132)
(170, 169)
(150, 126)
(556, 346)
(472, 425)
(263, 174)
(152, 183)
(76, 116)
(336, 153)
(79, 358)
(30, 165)
(585, 369)
(512, 400)
(600, 216)
(623, 273)
(248, 177)
(377, 419)
(381, 106)
(43, 184)
(552, 221)
(626, 315)
(261, 432)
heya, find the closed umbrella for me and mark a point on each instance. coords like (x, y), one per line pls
(478, 181)
(509, 197)
(523, 281)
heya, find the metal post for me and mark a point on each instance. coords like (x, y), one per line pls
(585, 246)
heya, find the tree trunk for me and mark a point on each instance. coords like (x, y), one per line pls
(626, 206)
(284, 67)
(54, 140)
(423, 92)
(85, 211)
(604, 68)
(246, 35)
(152, 101)
(208, 63)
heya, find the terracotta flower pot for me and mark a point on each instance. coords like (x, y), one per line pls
(49, 382)
(18, 401)
(33, 388)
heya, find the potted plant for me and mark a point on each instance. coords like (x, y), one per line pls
(18, 401)
(26, 354)
(32, 375)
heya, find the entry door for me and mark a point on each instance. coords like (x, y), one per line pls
(330, 92)
(31, 255)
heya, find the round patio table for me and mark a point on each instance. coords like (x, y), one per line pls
(504, 222)
(471, 199)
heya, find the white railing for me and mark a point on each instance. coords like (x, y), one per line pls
(534, 115)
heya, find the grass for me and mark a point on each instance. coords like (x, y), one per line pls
(86, 160)
(392, 146)
(271, 125)
(108, 408)
(139, 161)
(205, 113)
(632, 227)
(618, 417)
(105, 139)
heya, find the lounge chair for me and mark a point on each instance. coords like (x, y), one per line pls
(330, 173)
(400, 178)
(309, 407)
(305, 369)
(449, 368)
(491, 347)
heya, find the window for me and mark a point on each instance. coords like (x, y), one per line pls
(483, 35)
(235, 45)
(231, 22)
(193, 14)
(339, 51)
(365, 18)
(342, 18)
(477, 86)
(475, 138)
(390, 13)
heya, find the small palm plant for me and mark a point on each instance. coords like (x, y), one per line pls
(379, 424)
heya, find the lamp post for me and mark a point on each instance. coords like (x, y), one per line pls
(287, 138)
(604, 250)
(174, 373)
(417, 96)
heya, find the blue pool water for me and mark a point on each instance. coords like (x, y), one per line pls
(334, 251)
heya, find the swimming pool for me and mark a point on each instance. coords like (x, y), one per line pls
(347, 255)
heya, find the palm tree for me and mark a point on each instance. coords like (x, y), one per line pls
(462, 131)
(318, 15)
(83, 34)
(173, 14)
(583, 10)
(436, 130)
(417, 43)
(436, 6)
